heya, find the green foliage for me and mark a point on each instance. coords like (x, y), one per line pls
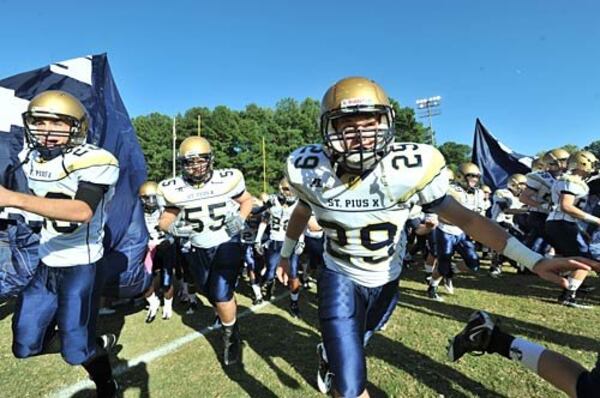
(569, 148)
(236, 136)
(594, 147)
(408, 129)
(455, 153)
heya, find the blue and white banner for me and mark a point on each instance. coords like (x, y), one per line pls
(496, 161)
(90, 80)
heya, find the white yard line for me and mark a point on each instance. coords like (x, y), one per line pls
(158, 353)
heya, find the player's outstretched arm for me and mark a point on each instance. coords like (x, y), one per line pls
(493, 236)
(296, 226)
(73, 210)
(245, 202)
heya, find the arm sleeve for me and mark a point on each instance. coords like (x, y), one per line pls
(90, 193)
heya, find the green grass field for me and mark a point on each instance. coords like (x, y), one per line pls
(408, 359)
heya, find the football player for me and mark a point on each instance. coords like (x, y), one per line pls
(161, 254)
(71, 183)
(252, 259)
(450, 238)
(313, 240)
(210, 206)
(279, 208)
(506, 205)
(569, 194)
(538, 195)
(361, 187)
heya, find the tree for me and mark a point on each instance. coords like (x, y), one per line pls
(408, 129)
(154, 132)
(594, 147)
(455, 153)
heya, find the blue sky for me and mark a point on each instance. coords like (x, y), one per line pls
(529, 69)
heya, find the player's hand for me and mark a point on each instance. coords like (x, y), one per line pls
(551, 269)
(259, 248)
(283, 271)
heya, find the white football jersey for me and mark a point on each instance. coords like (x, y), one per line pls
(573, 185)
(504, 197)
(278, 216)
(363, 217)
(156, 236)
(64, 243)
(205, 206)
(541, 183)
(472, 200)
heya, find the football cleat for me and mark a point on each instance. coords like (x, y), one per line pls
(269, 287)
(106, 341)
(294, 308)
(448, 285)
(232, 345)
(257, 301)
(433, 294)
(495, 271)
(192, 307)
(475, 337)
(324, 376)
(568, 298)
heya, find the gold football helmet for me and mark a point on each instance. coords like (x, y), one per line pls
(196, 159)
(148, 192)
(556, 160)
(357, 123)
(55, 105)
(450, 174)
(486, 189)
(466, 170)
(286, 194)
(516, 183)
(583, 161)
(538, 164)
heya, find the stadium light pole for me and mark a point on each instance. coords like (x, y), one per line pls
(428, 108)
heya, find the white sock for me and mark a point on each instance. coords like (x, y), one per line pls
(256, 290)
(153, 299)
(527, 353)
(294, 296)
(228, 323)
(435, 282)
(574, 283)
(168, 303)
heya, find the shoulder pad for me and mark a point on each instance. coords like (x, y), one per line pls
(423, 163)
(86, 156)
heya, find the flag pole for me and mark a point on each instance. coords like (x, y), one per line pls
(174, 146)
(264, 155)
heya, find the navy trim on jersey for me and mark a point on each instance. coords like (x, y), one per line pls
(238, 195)
(427, 208)
(568, 192)
(533, 189)
(90, 193)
